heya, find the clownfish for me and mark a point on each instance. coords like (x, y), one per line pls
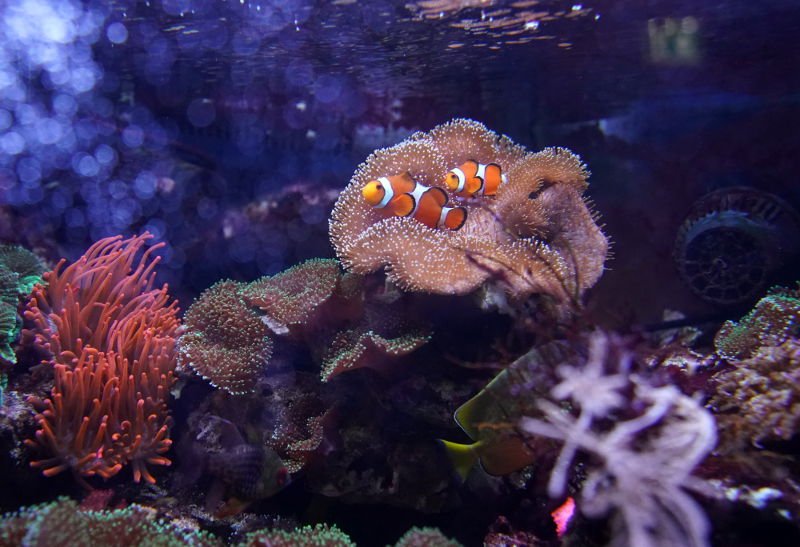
(474, 178)
(403, 197)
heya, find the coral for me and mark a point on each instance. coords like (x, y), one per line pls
(61, 522)
(535, 236)
(110, 338)
(28, 267)
(645, 459)
(356, 348)
(502, 534)
(20, 270)
(295, 418)
(320, 535)
(772, 321)
(383, 330)
(760, 398)
(425, 537)
(291, 297)
(224, 340)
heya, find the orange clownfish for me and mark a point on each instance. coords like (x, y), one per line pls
(403, 197)
(474, 178)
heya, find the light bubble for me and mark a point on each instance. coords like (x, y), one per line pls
(117, 33)
(145, 185)
(12, 143)
(29, 171)
(82, 79)
(117, 189)
(5, 119)
(133, 136)
(65, 104)
(88, 166)
(105, 155)
(48, 131)
(201, 112)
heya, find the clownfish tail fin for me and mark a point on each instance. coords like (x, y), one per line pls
(462, 456)
(455, 218)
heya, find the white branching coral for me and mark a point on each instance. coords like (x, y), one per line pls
(646, 440)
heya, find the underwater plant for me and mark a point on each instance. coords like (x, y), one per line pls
(535, 236)
(646, 439)
(109, 338)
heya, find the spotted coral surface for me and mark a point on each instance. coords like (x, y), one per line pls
(425, 537)
(20, 270)
(290, 298)
(62, 522)
(320, 535)
(760, 398)
(535, 236)
(225, 341)
(771, 322)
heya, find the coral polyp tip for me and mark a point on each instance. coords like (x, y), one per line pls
(529, 231)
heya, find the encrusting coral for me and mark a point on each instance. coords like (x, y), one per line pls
(320, 535)
(535, 236)
(225, 341)
(771, 322)
(62, 522)
(229, 329)
(110, 340)
(20, 270)
(759, 399)
(425, 537)
(290, 298)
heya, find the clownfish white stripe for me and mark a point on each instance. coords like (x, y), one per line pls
(419, 189)
(388, 192)
(481, 174)
(462, 179)
(443, 215)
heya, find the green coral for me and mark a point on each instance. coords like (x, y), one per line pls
(425, 537)
(28, 267)
(20, 270)
(62, 522)
(320, 535)
(773, 320)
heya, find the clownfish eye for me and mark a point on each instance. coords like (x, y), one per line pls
(373, 192)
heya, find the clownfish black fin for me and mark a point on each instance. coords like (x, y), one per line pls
(404, 205)
(455, 218)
